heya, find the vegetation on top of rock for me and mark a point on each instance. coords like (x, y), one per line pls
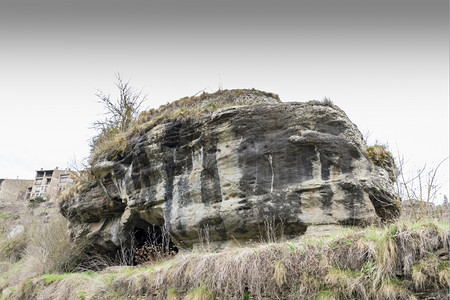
(206, 104)
(113, 141)
(383, 158)
(120, 115)
(379, 155)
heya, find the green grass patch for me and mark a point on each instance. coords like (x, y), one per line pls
(201, 293)
(6, 216)
(52, 278)
(81, 294)
(325, 294)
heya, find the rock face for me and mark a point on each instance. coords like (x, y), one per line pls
(229, 176)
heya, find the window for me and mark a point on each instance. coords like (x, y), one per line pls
(63, 179)
(38, 181)
(38, 189)
(49, 180)
(46, 188)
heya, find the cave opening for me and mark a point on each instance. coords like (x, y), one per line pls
(152, 243)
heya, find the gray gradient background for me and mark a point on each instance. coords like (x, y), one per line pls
(384, 62)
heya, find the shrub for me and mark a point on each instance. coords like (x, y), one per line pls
(121, 113)
(50, 249)
(379, 154)
(152, 252)
(12, 248)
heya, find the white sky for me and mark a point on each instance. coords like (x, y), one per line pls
(385, 63)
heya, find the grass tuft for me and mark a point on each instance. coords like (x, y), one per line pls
(172, 294)
(201, 293)
(279, 273)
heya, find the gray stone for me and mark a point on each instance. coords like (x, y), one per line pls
(223, 175)
(16, 231)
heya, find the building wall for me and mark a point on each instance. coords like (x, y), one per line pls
(13, 189)
(49, 184)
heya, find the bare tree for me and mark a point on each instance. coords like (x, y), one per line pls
(419, 190)
(123, 110)
(422, 185)
(120, 113)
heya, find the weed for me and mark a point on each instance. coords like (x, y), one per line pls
(12, 248)
(418, 277)
(279, 273)
(172, 294)
(392, 288)
(81, 294)
(201, 293)
(326, 295)
(8, 216)
(51, 278)
(246, 296)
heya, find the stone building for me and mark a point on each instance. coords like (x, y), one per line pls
(13, 189)
(49, 184)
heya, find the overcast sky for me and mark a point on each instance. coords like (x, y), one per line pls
(385, 63)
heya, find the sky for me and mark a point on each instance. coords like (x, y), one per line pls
(384, 62)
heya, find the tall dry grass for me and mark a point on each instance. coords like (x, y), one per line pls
(399, 261)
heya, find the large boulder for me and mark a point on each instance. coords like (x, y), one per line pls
(228, 176)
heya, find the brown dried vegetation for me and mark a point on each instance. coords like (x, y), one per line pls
(399, 261)
(114, 142)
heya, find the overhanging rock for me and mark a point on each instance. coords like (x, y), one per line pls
(231, 174)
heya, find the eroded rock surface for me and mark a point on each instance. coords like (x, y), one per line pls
(226, 175)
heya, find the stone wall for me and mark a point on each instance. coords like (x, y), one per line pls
(13, 189)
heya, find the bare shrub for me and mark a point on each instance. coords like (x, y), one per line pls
(153, 253)
(418, 192)
(51, 250)
(12, 248)
(203, 237)
(157, 248)
(273, 230)
(120, 114)
(82, 177)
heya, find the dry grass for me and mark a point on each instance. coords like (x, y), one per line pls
(112, 144)
(203, 105)
(201, 293)
(394, 262)
(380, 155)
(279, 273)
(83, 180)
